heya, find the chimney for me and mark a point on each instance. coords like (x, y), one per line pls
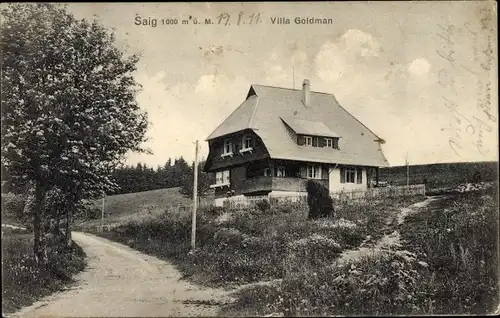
(306, 94)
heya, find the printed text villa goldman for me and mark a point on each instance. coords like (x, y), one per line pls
(300, 20)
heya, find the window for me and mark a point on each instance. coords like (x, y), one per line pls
(267, 172)
(329, 142)
(308, 141)
(228, 147)
(225, 177)
(222, 178)
(315, 141)
(281, 172)
(247, 142)
(218, 177)
(347, 175)
(359, 175)
(314, 172)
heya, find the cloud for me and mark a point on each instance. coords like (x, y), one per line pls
(183, 113)
(356, 41)
(419, 67)
(378, 90)
(345, 55)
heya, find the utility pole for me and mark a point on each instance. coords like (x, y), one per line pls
(195, 198)
(102, 213)
(407, 170)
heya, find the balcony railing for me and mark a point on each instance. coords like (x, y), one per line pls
(263, 183)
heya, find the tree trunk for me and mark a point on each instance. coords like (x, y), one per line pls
(68, 225)
(39, 248)
(58, 222)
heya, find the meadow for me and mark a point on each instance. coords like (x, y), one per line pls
(242, 246)
(122, 208)
(280, 262)
(447, 263)
(441, 176)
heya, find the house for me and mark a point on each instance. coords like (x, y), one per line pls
(278, 138)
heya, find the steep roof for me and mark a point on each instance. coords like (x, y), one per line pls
(267, 108)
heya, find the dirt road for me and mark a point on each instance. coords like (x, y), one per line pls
(120, 281)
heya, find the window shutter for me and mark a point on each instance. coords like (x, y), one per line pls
(301, 140)
(342, 175)
(335, 143)
(315, 141)
(303, 171)
(359, 175)
(322, 142)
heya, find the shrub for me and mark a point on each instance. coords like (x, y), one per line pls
(319, 201)
(228, 237)
(263, 205)
(379, 285)
(312, 251)
(213, 210)
(13, 208)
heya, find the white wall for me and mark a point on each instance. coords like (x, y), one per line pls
(219, 201)
(335, 185)
(285, 193)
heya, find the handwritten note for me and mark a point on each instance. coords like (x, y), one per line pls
(474, 62)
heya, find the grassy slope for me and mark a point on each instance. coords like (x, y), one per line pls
(246, 245)
(441, 174)
(447, 264)
(458, 239)
(141, 205)
(22, 282)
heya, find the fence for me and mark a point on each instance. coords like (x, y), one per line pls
(301, 198)
(386, 192)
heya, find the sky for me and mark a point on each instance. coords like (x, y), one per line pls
(421, 75)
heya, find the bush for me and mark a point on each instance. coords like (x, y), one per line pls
(213, 210)
(13, 209)
(228, 237)
(309, 252)
(319, 201)
(379, 285)
(263, 205)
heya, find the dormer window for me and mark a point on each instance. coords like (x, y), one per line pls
(332, 143)
(308, 140)
(227, 148)
(247, 144)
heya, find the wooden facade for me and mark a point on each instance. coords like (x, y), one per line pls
(216, 161)
(253, 172)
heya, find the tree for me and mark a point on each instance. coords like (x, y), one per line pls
(69, 113)
(319, 201)
(204, 181)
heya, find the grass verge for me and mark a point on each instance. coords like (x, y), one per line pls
(23, 282)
